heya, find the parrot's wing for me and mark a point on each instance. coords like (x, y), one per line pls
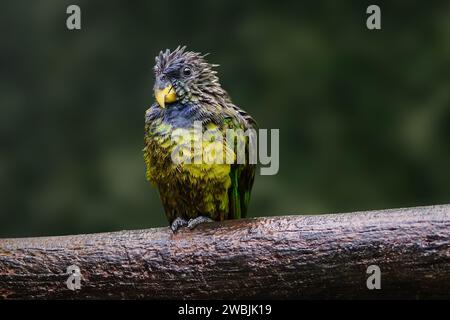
(242, 175)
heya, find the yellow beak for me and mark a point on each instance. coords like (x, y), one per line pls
(165, 95)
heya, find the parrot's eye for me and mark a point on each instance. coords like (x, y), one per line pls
(187, 71)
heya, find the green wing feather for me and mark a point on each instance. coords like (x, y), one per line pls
(242, 177)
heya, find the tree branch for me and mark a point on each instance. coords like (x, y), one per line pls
(322, 256)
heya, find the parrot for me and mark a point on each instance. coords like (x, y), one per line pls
(187, 91)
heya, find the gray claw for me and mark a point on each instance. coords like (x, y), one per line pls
(178, 223)
(199, 220)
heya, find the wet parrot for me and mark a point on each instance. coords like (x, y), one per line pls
(191, 119)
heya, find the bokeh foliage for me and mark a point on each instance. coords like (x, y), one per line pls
(364, 116)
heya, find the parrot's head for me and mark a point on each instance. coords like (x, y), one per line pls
(185, 76)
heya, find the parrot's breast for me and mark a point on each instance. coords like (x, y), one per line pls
(189, 168)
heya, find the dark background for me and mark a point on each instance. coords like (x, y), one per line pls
(364, 116)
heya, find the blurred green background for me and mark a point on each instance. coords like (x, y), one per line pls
(364, 116)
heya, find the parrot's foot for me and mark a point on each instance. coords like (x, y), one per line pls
(199, 220)
(178, 223)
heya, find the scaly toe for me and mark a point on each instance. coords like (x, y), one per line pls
(199, 220)
(178, 223)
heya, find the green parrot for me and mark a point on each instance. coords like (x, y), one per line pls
(188, 92)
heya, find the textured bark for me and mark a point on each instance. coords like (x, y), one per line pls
(322, 256)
